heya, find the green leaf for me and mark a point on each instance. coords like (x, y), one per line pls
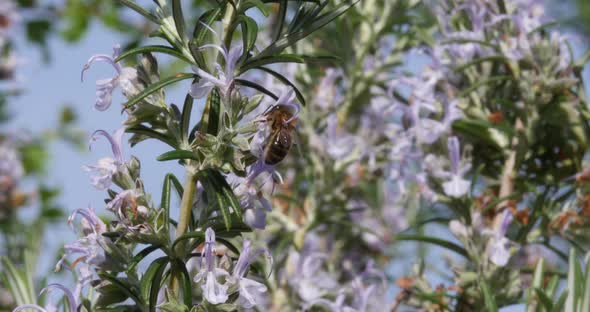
(177, 154)
(249, 33)
(479, 131)
(194, 234)
(152, 48)
(215, 196)
(586, 289)
(186, 116)
(544, 299)
(552, 286)
(307, 17)
(135, 7)
(169, 179)
(38, 30)
(537, 284)
(200, 33)
(488, 297)
(477, 61)
(228, 192)
(432, 240)
(321, 59)
(492, 80)
(539, 274)
(238, 227)
(140, 255)
(280, 19)
(155, 87)
(16, 282)
(317, 23)
(150, 281)
(285, 81)
(178, 18)
(273, 59)
(228, 244)
(123, 286)
(155, 287)
(143, 130)
(109, 294)
(209, 122)
(559, 304)
(259, 5)
(186, 282)
(572, 282)
(256, 86)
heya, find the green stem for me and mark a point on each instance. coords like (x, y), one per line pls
(186, 203)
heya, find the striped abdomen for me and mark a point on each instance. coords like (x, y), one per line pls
(278, 146)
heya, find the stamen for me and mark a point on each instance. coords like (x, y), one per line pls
(73, 265)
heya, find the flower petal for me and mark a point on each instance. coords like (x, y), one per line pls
(201, 89)
(456, 187)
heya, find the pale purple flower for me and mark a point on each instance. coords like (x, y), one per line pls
(226, 75)
(126, 78)
(423, 103)
(362, 294)
(457, 185)
(458, 229)
(528, 16)
(125, 200)
(516, 48)
(214, 291)
(498, 248)
(337, 305)
(254, 203)
(338, 143)
(481, 18)
(328, 94)
(71, 299)
(107, 167)
(250, 290)
(308, 279)
(252, 200)
(463, 231)
(90, 247)
(366, 297)
(84, 277)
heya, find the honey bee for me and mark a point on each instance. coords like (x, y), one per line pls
(282, 123)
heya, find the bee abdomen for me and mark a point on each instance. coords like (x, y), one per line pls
(277, 150)
(275, 154)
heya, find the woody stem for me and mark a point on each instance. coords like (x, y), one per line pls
(185, 215)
